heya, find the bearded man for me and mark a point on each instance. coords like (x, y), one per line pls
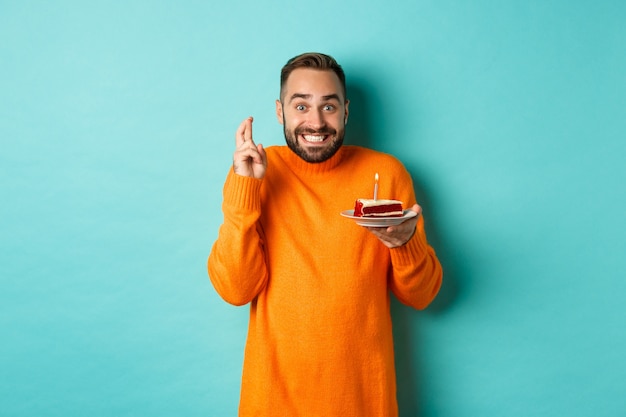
(320, 337)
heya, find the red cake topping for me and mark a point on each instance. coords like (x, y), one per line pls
(377, 208)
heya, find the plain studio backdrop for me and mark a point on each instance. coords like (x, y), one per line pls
(117, 124)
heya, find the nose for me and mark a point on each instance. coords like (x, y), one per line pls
(316, 119)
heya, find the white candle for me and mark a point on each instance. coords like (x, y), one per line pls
(376, 186)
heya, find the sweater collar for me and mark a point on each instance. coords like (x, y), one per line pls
(300, 165)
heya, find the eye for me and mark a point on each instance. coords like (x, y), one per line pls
(329, 107)
(300, 107)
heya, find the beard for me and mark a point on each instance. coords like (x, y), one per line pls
(316, 154)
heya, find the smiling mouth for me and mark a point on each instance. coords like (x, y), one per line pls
(315, 138)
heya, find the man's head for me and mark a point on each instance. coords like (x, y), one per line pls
(312, 60)
(313, 107)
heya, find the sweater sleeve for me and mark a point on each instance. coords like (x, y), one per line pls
(416, 272)
(236, 264)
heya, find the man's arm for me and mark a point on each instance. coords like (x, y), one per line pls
(236, 264)
(415, 275)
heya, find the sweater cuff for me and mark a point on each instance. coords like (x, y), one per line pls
(242, 192)
(415, 248)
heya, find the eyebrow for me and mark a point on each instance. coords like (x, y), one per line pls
(309, 96)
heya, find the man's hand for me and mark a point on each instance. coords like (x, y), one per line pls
(249, 159)
(395, 236)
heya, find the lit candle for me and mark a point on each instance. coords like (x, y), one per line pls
(376, 186)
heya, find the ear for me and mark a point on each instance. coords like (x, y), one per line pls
(345, 117)
(279, 111)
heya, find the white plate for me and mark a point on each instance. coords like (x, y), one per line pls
(378, 221)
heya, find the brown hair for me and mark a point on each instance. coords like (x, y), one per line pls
(313, 60)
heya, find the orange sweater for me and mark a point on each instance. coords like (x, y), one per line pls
(319, 339)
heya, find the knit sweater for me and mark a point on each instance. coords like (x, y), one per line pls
(320, 336)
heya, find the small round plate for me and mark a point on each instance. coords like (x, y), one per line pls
(378, 221)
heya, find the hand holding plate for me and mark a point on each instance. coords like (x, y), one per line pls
(397, 235)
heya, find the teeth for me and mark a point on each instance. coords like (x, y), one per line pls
(312, 138)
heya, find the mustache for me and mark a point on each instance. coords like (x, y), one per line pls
(309, 131)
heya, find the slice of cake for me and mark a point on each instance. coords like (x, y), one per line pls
(377, 208)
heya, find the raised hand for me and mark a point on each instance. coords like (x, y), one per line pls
(249, 159)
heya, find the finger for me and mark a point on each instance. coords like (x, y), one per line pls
(239, 134)
(416, 208)
(250, 153)
(262, 154)
(247, 133)
(244, 132)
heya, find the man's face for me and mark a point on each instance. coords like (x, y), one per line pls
(313, 112)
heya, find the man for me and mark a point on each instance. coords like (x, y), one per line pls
(319, 339)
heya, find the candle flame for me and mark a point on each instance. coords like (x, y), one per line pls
(376, 177)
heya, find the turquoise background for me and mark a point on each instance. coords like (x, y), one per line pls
(117, 124)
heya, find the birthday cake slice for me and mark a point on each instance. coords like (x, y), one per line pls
(377, 208)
